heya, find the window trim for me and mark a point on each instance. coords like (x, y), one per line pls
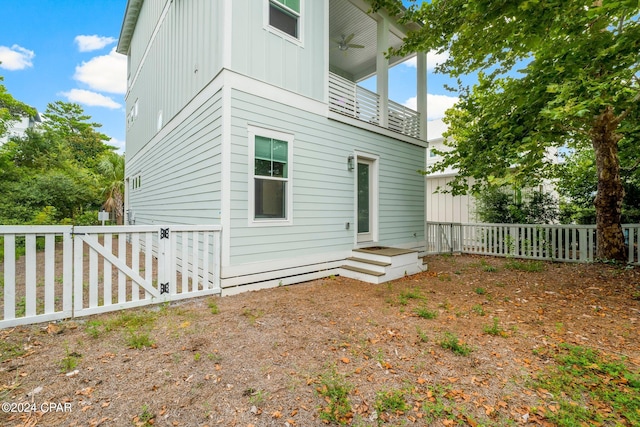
(267, 26)
(252, 132)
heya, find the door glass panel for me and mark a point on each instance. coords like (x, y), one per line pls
(363, 198)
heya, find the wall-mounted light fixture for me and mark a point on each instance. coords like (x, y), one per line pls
(350, 164)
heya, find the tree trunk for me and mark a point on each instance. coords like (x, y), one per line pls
(608, 202)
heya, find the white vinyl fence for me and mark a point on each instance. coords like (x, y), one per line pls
(56, 272)
(570, 243)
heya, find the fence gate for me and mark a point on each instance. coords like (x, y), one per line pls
(77, 271)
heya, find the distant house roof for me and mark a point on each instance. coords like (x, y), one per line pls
(131, 14)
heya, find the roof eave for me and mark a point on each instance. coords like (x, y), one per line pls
(131, 14)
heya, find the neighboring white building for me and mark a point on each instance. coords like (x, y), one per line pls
(444, 207)
(247, 114)
(19, 127)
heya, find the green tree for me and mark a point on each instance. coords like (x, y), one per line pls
(11, 109)
(578, 183)
(576, 84)
(69, 121)
(111, 167)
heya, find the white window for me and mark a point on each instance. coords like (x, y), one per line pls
(284, 15)
(270, 189)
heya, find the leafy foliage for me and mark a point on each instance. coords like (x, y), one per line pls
(498, 206)
(59, 173)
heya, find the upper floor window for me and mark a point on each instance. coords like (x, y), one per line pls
(285, 16)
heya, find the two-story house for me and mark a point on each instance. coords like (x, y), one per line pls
(247, 114)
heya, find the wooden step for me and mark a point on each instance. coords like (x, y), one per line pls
(362, 270)
(369, 261)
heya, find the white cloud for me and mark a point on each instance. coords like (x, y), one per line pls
(94, 42)
(106, 73)
(15, 57)
(433, 59)
(92, 99)
(116, 143)
(436, 104)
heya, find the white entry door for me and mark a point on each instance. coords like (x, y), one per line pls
(366, 198)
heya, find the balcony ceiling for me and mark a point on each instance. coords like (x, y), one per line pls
(348, 17)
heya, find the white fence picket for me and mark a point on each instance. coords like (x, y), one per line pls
(81, 281)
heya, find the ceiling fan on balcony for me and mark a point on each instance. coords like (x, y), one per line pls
(344, 43)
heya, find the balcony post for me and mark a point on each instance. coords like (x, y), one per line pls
(382, 70)
(421, 91)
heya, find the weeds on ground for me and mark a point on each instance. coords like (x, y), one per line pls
(145, 418)
(494, 329)
(425, 313)
(437, 406)
(588, 388)
(528, 266)
(422, 334)
(9, 350)
(480, 291)
(391, 401)
(488, 267)
(451, 342)
(252, 315)
(70, 361)
(138, 339)
(213, 306)
(478, 309)
(335, 389)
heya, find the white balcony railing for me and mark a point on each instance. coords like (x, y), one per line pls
(346, 97)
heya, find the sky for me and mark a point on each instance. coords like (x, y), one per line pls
(65, 50)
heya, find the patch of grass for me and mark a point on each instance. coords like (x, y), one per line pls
(529, 266)
(21, 307)
(451, 342)
(446, 305)
(213, 306)
(335, 389)
(422, 334)
(412, 294)
(489, 268)
(146, 417)
(392, 401)
(425, 313)
(437, 406)
(494, 329)
(252, 315)
(139, 339)
(480, 291)
(588, 388)
(9, 350)
(94, 328)
(131, 320)
(258, 397)
(70, 361)
(478, 309)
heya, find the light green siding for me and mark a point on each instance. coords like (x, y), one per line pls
(183, 57)
(181, 174)
(272, 57)
(323, 187)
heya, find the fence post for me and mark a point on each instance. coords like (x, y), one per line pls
(165, 282)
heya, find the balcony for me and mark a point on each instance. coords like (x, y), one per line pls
(351, 100)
